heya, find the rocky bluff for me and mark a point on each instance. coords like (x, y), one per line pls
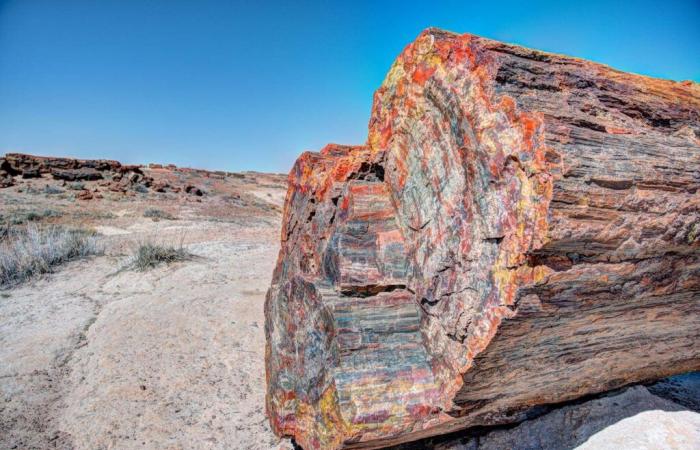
(103, 175)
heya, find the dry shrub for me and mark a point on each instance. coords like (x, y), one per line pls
(156, 214)
(34, 250)
(18, 217)
(148, 255)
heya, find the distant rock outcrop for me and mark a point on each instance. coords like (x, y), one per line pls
(21, 162)
(521, 229)
(110, 175)
(122, 177)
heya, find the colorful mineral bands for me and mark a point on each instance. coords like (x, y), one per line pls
(489, 249)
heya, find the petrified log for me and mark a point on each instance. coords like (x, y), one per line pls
(521, 229)
(84, 174)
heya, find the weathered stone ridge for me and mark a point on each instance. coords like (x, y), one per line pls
(110, 176)
(521, 228)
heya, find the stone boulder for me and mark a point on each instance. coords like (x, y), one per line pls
(84, 174)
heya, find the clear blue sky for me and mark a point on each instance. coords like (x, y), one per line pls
(249, 85)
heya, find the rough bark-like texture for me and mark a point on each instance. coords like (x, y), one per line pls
(521, 228)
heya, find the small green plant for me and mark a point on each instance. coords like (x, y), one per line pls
(25, 253)
(157, 214)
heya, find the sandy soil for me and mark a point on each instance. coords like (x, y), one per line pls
(173, 358)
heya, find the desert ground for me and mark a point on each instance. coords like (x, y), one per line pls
(97, 355)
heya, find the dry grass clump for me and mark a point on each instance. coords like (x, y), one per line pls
(52, 190)
(4, 230)
(34, 250)
(150, 254)
(157, 214)
(76, 186)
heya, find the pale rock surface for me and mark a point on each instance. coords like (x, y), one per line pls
(650, 430)
(96, 358)
(631, 419)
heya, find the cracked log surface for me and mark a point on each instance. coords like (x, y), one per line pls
(521, 228)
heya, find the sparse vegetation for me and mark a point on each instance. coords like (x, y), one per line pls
(52, 190)
(18, 217)
(93, 215)
(150, 254)
(76, 186)
(28, 189)
(33, 216)
(34, 250)
(157, 214)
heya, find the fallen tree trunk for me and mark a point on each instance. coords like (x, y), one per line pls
(521, 229)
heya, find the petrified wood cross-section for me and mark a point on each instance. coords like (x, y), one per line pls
(521, 229)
